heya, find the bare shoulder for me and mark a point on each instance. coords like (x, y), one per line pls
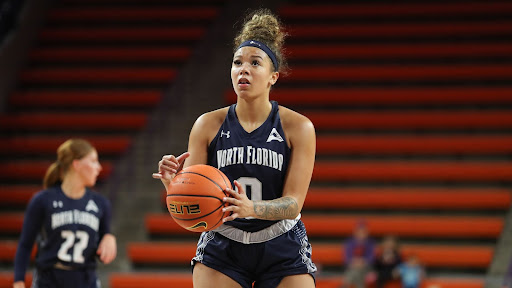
(212, 119)
(209, 123)
(295, 124)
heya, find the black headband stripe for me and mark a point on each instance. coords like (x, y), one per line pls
(258, 44)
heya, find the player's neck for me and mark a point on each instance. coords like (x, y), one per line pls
(252, 114)
(72, 188)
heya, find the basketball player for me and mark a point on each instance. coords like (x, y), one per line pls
(70, 221)
(268, 151)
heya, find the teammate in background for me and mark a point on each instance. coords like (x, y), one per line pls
(70, 221)
(268, 152)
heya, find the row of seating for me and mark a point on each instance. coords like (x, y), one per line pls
(341, 225)
(390, 96)
(325, 254)
(326, 120)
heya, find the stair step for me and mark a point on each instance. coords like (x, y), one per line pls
(428, 226)
(43, 98)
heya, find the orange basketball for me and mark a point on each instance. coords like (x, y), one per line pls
(194, 197)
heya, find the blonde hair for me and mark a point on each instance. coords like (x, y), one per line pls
(68, 151)
(263, 26)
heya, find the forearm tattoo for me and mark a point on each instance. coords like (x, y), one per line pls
(277, 209)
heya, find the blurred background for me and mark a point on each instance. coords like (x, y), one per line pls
(411, 100)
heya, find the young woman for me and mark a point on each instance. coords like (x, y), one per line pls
(71, 223)
(268, 151)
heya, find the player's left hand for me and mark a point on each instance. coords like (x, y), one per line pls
(240, 205)
(107, 250)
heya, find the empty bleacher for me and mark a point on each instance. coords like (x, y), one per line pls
(411, 104)
(97, 71)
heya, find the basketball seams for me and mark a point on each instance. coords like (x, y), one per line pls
(213, 181)
(205, 192)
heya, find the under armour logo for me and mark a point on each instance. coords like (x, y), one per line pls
(91, 206)
(57, 204)
(222, 134)
(274, 136)
(252, 42)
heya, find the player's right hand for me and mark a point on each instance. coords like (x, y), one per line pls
(169, 166)
(18, 284)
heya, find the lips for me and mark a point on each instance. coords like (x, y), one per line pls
(243, 81)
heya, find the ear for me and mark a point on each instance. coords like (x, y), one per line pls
(274, 77)
(76, 164)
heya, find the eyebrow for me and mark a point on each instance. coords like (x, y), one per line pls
(252, 56)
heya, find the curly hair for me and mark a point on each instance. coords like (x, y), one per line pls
(263, 26)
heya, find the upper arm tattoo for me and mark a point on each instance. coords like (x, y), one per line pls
(277, 209)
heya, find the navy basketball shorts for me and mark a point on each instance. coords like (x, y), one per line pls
(58, 278)
(265, 264)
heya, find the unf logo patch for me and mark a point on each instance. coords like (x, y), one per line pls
(274, 135)
(91, 206)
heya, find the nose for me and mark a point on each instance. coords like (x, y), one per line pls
(244, 69)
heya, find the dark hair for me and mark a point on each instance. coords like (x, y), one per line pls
(68, 151)
(263, 26)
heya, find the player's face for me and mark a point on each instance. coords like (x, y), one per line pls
(89, 168)
(252, 72)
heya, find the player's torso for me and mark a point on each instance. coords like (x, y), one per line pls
(70, 232)
(258, 160)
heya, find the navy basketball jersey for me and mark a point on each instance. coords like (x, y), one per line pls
(258, 160)
(67, 230)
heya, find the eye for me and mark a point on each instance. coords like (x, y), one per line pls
(255, 62)
(237, 62)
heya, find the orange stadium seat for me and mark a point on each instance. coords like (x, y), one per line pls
(7, 278)
(17, 194)
(451, 256)
(35, 170)
(76, 121)
(89, 98)
(408, 198)
(184, 280)
(388, 96)
(37, 144)
(417, 120)
(98, 75)
(394, 30)
(323, 11)
(329, 225)
(70, 35)
(420, 170)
